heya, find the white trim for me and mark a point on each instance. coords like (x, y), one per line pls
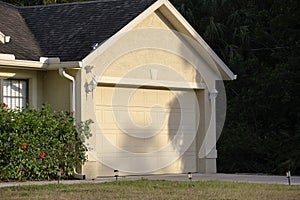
(27, 64)
(22, 64)
(149, 83)
(7, 56)
(7, 74)
(65, 65)
(199, 39)
(48, 60)
(212, 154)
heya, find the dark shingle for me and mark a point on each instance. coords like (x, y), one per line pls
(22, 44)
(69, 30)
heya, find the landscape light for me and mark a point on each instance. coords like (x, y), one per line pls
(190, 176)
(288, 176)
(59, 176)
(116, 172)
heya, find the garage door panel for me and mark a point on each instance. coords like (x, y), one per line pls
(106, 96)
(138, 118)
(154, 111)
(137, 98)
(150, 98)
(163, 98)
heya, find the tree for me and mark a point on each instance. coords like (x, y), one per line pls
(259, 40)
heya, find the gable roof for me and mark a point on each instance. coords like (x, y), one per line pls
(67, 31)
(180, 24)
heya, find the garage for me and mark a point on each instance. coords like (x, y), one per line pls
(146, 129)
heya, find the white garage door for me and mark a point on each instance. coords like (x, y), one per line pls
(147, 123)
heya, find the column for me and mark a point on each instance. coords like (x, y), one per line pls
(207, 153)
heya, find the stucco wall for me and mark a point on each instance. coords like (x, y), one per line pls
(56, 90)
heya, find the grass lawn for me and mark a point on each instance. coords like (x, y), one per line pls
(146, 189)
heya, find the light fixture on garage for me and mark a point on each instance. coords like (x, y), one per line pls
(190, 176)
(91, 86)
(116, 172)
(213, 94)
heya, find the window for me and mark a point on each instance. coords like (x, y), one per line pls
(14, 92)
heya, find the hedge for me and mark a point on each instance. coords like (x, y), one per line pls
(36, 144)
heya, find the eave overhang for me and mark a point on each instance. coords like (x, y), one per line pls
(8, 61)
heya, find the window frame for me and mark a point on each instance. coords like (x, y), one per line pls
(15, 97)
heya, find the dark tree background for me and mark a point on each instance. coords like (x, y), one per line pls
(260, 41)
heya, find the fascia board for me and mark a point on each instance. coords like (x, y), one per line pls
(27, 64)
(200, 40)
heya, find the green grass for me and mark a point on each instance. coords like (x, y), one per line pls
(146, 189)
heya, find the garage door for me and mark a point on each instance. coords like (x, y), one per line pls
(147, 125)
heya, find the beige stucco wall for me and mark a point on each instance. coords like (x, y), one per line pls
(134, 56)
(56, 90)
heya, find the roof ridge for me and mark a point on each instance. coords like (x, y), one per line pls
(8, 5)
(70, 3)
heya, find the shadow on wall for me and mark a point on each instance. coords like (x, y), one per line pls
(182, 132)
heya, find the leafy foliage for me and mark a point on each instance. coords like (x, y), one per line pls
(35, 144)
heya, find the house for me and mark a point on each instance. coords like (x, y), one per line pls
(135, 67)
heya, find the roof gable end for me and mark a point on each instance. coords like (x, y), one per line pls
(179, 23)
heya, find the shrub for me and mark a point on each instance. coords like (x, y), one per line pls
(35, 144)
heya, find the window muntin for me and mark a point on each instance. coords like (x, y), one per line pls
(15, 92)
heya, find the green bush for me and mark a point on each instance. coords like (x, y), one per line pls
(36, 144)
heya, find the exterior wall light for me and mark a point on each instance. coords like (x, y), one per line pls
(213, 94)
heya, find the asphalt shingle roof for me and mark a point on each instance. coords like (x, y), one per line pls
(23, 44)
(67, 30)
